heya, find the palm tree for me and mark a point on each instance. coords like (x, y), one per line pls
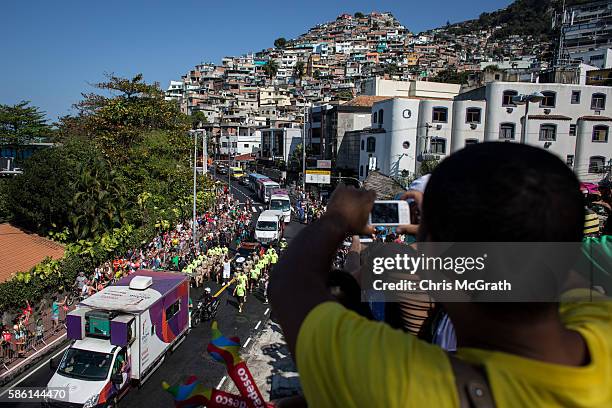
(298, 71)
(271, 68)
(99, 204)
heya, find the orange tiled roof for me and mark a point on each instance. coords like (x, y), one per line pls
(365, 100)
(20, 250)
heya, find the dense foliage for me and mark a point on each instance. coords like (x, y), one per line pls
(119, 173)
(21, 123)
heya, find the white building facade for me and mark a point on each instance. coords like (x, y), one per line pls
(572, 122)
(240, 144)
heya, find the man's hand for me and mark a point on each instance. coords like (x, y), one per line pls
(415, 212)
(351, 207)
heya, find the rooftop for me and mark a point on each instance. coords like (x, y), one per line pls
(365, 100)
(20, 251)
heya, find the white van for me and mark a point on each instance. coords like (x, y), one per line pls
(279, 200)
(121, 336)
(269, 227)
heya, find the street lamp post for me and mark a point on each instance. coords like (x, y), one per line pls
(303, 144)
(195, 166)
(525, 100)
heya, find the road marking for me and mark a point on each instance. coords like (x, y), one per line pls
(246, 343)
(267, 310)
(260, 208)
(37, 368)
(257, 325)
(254, 209)
(222, 381)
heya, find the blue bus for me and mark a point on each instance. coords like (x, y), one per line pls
(253, 177)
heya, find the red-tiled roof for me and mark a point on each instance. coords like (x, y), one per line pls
(245, 157)
(549, 117)
(596, 118)
(365, 100)
(20, 251)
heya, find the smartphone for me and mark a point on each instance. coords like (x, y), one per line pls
(390, 213)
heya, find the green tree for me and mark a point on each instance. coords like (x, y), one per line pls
(280, 42)
(450, 76)
(392, 69)
(316, 74)
(427, 166)
(299, 70)
(39, 198)
(295, 160)
(271, 68)
(20, 124)
(116, 122)
(198, 118)
(345, 95)
(359, 15)
(99, 204)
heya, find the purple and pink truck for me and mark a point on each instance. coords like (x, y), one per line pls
(120, 336)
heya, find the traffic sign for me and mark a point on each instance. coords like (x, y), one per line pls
(318, 176)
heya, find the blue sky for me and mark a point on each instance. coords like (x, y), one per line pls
(52, 50)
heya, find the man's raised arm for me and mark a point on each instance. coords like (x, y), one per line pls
(298, 282)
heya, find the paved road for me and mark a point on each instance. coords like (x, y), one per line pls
(191, 357)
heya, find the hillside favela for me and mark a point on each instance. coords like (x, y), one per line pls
(368, 212)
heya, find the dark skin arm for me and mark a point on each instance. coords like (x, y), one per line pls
(298, 282)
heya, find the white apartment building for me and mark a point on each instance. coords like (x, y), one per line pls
(279, 143)
(246, 142)
(572, 121)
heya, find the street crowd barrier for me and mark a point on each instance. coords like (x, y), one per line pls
(30, 338)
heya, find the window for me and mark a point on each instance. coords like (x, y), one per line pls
(506, 131)
(497, 76)
(362, 145)
(375, 117)
(600, 134)
(173, 309)
(371, 144)
(246, 145)
(234, 144)
(469, 142)
(548, 133)
(439, 114)
(380, 116)
(549, 99)
(570, 160)
(572, 130)
(507, 98)
(438, 145)
(598, 101)
(597, 164)
(575, 97)
(472, 115)
(361, 171)
(223, 144)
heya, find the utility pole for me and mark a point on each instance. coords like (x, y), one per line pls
(304, 148)
(204, 153)
(195, 165)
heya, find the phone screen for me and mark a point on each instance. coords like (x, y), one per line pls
(385, 213)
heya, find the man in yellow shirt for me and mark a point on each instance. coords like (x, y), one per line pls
(532, 355)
